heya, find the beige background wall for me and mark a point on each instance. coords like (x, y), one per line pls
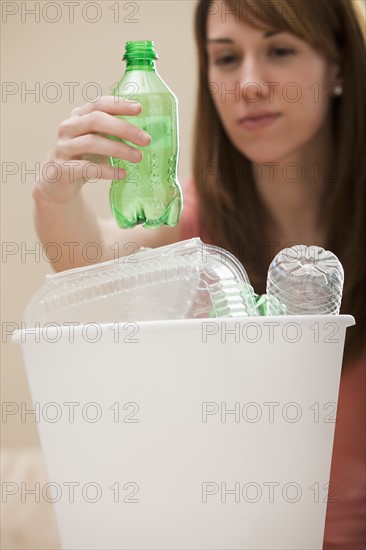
(36, 53)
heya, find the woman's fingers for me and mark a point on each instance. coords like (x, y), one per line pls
(82, 147)
(100, 122)
(113, 105)
(97, 145)
(86, 170)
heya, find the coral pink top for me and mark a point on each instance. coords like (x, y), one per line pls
(345, 526)
(189, 223)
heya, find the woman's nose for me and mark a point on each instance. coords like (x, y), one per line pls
(254, 84)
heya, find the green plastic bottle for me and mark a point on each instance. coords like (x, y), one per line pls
(150, 194)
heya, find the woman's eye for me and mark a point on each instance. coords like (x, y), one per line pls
(281, 52)
(225, 60)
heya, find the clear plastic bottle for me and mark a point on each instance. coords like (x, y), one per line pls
(306, 281)
(150, 193)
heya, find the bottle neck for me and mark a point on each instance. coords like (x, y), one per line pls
(137, 64)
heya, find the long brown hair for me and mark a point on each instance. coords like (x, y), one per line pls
(230, 209)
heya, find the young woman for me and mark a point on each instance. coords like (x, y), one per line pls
(278, 159)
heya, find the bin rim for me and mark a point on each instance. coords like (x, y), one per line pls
(344, 320)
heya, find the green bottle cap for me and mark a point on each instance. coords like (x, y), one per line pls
(140, 49)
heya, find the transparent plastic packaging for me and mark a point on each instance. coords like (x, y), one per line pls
(185, 280)
(306, 281)
(262, 303)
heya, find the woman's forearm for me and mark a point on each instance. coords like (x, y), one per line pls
(70, 233)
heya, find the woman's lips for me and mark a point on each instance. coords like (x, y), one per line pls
(259, 122)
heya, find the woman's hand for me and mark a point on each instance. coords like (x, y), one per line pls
(82, 148)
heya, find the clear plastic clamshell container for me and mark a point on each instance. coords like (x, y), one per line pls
(185, 280)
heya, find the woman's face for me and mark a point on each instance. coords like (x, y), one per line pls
(251, 71)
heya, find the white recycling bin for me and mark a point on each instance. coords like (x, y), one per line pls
(188, 434)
